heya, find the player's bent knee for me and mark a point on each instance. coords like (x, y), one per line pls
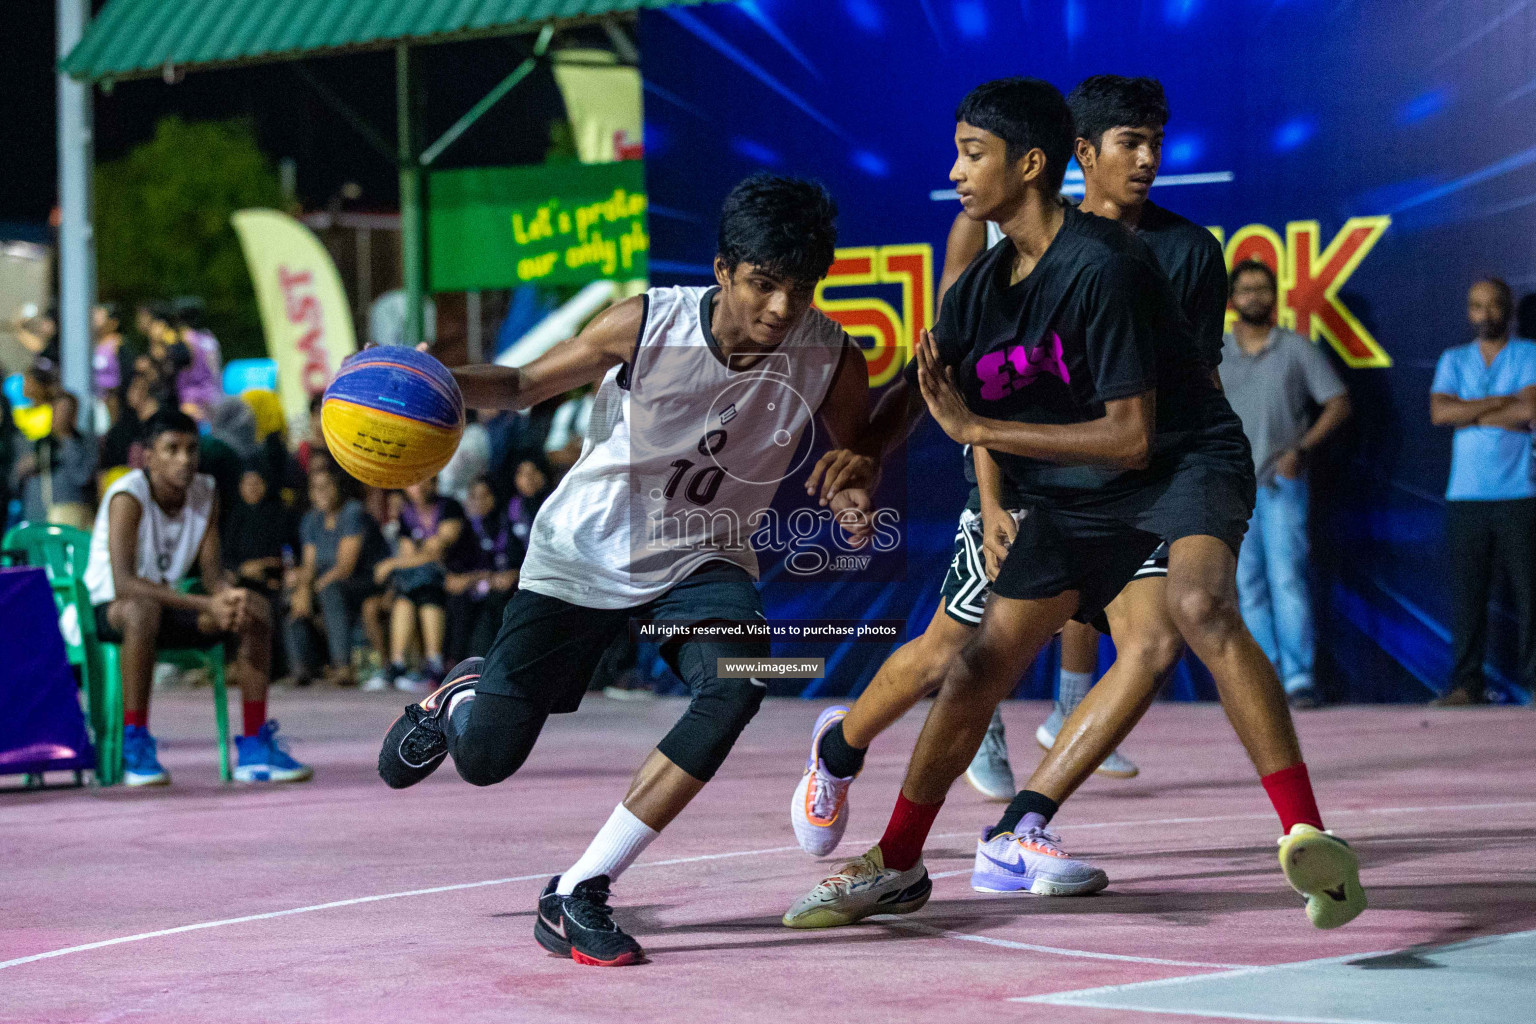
(966, 675)
(720, 710)
(486, 768)
(139, 616)
(1205, 611)
(1158, 652)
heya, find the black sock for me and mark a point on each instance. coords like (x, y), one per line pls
(839, 758)
(1026, 801)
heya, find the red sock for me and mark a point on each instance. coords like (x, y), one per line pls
(1290, 790)
(138, 718)
(902, 845)
(255, 716)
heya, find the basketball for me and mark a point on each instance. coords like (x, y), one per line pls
(393, 416)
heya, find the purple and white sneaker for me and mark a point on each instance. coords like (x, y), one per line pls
(1032, 861)
(819, 809)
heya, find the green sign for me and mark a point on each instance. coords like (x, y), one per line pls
(499, 227)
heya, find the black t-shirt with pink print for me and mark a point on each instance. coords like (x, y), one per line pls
(1095, 321)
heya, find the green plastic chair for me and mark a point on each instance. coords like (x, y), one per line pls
(63, 551)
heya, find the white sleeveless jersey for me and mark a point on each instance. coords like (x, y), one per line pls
(681, 456)
(168, 544)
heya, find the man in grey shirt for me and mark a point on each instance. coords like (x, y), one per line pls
(1273, 377)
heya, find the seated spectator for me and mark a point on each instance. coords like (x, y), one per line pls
(153, 525)
(314, 440)
(259, 544)
(429, 525)
(106, 363)
(10, 441)
(471, 460)
(341, 545)
(56, 474)
(567, 431)
(285, 475)
(39, 386)
(120, 447)
(261, 536)
(482, 574)
(531, 487)
(199, 372)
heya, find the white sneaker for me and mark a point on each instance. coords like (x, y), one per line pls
(819, 808)
(1045, 733)
(414, 682)
(376, 683)
(859, 889)
(1116, 765)
(990, 774)
(1032, 861)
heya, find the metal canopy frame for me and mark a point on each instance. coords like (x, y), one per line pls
(77, 255)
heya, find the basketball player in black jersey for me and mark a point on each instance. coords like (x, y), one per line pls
(1063, 352)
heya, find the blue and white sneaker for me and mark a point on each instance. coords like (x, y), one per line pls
(140, 765)
(1032, 861)
(264, 758)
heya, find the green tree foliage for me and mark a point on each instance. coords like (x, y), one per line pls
(163, 229)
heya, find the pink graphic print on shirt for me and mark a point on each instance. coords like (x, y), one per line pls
(1004, 372)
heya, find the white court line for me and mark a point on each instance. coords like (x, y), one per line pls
(1270, 1018)
(944, 933)
(201, 925)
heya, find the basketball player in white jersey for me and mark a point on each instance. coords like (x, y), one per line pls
(704, 396)
(154, 526)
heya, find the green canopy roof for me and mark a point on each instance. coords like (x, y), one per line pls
(137, 38)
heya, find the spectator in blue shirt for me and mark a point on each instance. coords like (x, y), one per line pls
(1486, 389)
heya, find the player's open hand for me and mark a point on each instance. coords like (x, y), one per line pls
(851, 508)
(937, 383)
(838, 469)
(997, 532)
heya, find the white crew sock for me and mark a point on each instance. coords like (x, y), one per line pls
(1074, 686)
(613, 849)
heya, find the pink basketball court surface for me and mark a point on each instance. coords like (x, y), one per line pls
(341, 901)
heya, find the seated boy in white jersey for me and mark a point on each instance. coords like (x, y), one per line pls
(704, 397)
(154, 526)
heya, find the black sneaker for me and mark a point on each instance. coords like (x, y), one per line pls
(416, 744)
(581, 926)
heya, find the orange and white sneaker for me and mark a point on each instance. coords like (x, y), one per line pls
(1032, 861)
(819, 808)
(1323, 868)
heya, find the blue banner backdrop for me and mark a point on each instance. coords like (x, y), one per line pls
(1380, 155)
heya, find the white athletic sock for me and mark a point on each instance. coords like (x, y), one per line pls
(1074, 686)
(613, 849)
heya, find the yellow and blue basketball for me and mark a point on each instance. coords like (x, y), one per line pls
(393, 416)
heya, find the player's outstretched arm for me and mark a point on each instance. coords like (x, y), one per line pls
(868, 440)
(603, 344)
(1121, 437)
